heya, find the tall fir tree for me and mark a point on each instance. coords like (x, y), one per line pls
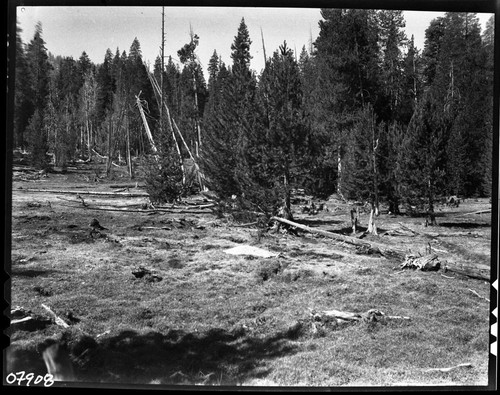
(39, 70)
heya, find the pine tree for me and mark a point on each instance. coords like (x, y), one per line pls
(276, 150)
(425, 172)
(227, 124)
(39, 73)
(106, 87)
(347, 58)
(23, 104)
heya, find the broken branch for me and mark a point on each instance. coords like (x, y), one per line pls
(479, 296)
(59, 321)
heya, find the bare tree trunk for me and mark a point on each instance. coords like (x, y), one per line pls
(372, 227)
(88, 139)
(129, 159)
(375, 203)
(354, 218)
(108, 160)
(431, 217)
(196, 121)
(339, 172)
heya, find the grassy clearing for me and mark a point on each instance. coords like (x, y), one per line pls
(218, 319)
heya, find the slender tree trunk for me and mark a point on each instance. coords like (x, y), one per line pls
(88, 139)
(375, 169)
(431, 217)
(287, 205)
(372, 227)
(108, 161)
(339, 172)
(129, 159)
(196, 121)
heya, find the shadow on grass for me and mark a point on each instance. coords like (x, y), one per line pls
(16, 271)
(465, 225)
(318, 222)
(215, 357)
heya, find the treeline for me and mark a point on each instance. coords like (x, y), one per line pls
(361, 112)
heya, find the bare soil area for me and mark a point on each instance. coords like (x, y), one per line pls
(199, 315)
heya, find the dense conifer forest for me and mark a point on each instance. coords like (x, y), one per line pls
(360, 112)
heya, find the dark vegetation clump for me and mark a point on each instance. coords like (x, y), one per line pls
(163, 176)
(268, 269)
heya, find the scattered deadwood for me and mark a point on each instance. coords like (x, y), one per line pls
(429, 262)
(477, 212)
(136, 185)
(479, 296)
(435, 235)
(247, 224)
(58, 320)
(344, 316)
(469, 271)
(145, 211)
(100, 193)
(445, 370)
(382, 249)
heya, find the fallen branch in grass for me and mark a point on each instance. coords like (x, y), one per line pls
(100, 193)
(469, 271)
(344, 316)
(446, 276)
(146, 211)
(83, 201)
(384, 250)
(136, 185)
(156, 227)
(248, 224)
(59, 321)
(476, 212)
(445, 370)
(479, 296)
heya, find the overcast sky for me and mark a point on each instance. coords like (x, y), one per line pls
(68, 31)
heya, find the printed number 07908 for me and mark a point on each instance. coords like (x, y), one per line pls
(20, 377)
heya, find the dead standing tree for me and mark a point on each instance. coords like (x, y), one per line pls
(187, 56)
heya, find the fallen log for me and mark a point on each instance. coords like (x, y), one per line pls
(445, 370)
(58, 320)
(479, 296)
(100, 193)
(344, 316)
(136, 185)
(469, 271)
(476, 212)
(428, 262)
(384, 250)
(157, 210)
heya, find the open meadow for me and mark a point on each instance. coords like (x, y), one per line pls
(201, 316)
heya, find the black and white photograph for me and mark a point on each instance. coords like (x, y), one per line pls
(266, 196)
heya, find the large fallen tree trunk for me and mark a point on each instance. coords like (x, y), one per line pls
(125, 210)
(62, 191)
(469, 271)
(383, 249)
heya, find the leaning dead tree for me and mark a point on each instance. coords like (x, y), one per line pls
(376, 247)
(146, 126)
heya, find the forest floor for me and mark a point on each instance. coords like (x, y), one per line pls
(206, 317)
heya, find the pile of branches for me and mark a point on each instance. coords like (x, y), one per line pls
(428, 262)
